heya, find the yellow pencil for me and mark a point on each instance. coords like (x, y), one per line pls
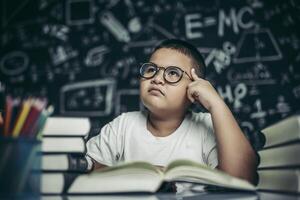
(22, 117)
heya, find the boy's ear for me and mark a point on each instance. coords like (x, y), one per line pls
(199, 74)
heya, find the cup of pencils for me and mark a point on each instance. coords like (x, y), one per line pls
(21, 123)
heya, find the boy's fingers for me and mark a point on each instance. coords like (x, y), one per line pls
(190, 97)
(195, 94)
(194, 75)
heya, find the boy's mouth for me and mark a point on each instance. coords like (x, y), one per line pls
(156, 90)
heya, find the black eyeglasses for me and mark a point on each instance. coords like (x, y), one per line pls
(172, 74)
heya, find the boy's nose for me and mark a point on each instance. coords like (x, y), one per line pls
(159, 77)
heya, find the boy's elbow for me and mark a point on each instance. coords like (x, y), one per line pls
(248, 167)
(253, 175)
(247, 174)
(244, 167)
(99, 166)
(249, 170)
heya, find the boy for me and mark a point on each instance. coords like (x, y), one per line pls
(170, 82)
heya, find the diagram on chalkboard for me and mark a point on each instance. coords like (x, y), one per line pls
(89, 98)
(14, 63)
(84, 55)
(114, 26)
(257, 45)
(150, 35)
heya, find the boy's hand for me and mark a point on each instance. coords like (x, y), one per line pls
(203, 92)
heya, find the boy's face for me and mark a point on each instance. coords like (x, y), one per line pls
(160, 96)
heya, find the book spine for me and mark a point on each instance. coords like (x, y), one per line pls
(285, 156)
(66, 126)
(63, 145)
(285, 131)
(56, 182)
(284, 180)
(75, 163)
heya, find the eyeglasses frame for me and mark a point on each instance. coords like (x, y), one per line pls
(158, 68)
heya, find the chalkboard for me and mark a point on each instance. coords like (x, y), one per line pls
(83, 55)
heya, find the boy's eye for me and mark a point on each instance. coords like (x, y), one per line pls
(173, 73)
(150, 69)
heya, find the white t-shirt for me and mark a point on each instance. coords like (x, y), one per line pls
(126, 138)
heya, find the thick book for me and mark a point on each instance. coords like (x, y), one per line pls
(66, 126)
(64, 162)
(284, 131)
(63, 145)
(55, 182)
(283, 156)
(144, 177)
(283, 180)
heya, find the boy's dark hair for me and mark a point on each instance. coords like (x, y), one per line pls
(188, 50)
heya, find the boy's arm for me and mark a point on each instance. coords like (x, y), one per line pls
(97, 165)
(102, 149)
(235, 154)
(92, 164)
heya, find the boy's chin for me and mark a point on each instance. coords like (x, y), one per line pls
(163, 110)
(155, 108)
(163, 107)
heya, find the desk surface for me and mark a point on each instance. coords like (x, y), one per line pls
(190, 196)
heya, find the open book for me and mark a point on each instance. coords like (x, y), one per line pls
(144, 177)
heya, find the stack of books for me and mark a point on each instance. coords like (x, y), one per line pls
(63, 152)
(279, 166)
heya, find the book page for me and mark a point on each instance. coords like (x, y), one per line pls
(133, 165)
(130, 177)
(189, 171)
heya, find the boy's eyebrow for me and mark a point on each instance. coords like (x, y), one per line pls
(165, 66)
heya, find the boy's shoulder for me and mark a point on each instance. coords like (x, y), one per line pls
(129, 116)
(132, 114)
(194, 116)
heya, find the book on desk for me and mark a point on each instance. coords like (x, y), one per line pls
(63, 152)
(279, 160)
(144, 177)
